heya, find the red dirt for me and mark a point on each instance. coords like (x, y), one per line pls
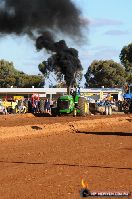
(46, 157)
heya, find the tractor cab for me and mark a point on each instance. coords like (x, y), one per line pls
(65, 104)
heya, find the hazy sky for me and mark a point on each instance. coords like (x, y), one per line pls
(110, 29)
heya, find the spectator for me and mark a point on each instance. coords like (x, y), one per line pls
(119, 105)
(47, 106)
(29, 106)
(108, 97)
(20, 106)
(34, 108)
(78, 90)
(51, 103)
(36, 102)
(71, 91)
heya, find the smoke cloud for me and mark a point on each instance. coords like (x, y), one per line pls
(64, 60)
(35, 16)
(41, 17)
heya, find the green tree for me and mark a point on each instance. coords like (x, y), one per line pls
(105, 73)
(126, 60)
(28, 81)
(9, 76)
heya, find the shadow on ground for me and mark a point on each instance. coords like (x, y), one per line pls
(129, 120)
(42, 115)
(36, 127)
(106, 133)
(65, 164)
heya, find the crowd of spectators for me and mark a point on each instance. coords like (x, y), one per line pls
(47, 105)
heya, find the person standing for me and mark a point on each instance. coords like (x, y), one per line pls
(47, 106)
(51, 103)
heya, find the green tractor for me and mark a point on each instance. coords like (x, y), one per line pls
(71, 104)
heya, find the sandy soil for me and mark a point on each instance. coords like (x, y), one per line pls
(46, 157)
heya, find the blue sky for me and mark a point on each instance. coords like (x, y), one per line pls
(109, 29)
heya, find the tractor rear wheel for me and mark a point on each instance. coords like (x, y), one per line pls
(83, 106)
(126, 106)
(126, 109)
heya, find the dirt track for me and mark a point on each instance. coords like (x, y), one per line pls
(46, 157)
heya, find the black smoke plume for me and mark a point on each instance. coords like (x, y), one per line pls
(64, 60)
(35, 16)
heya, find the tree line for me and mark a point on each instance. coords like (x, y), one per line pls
(106, 73)
(9, 76)
(109, 73)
